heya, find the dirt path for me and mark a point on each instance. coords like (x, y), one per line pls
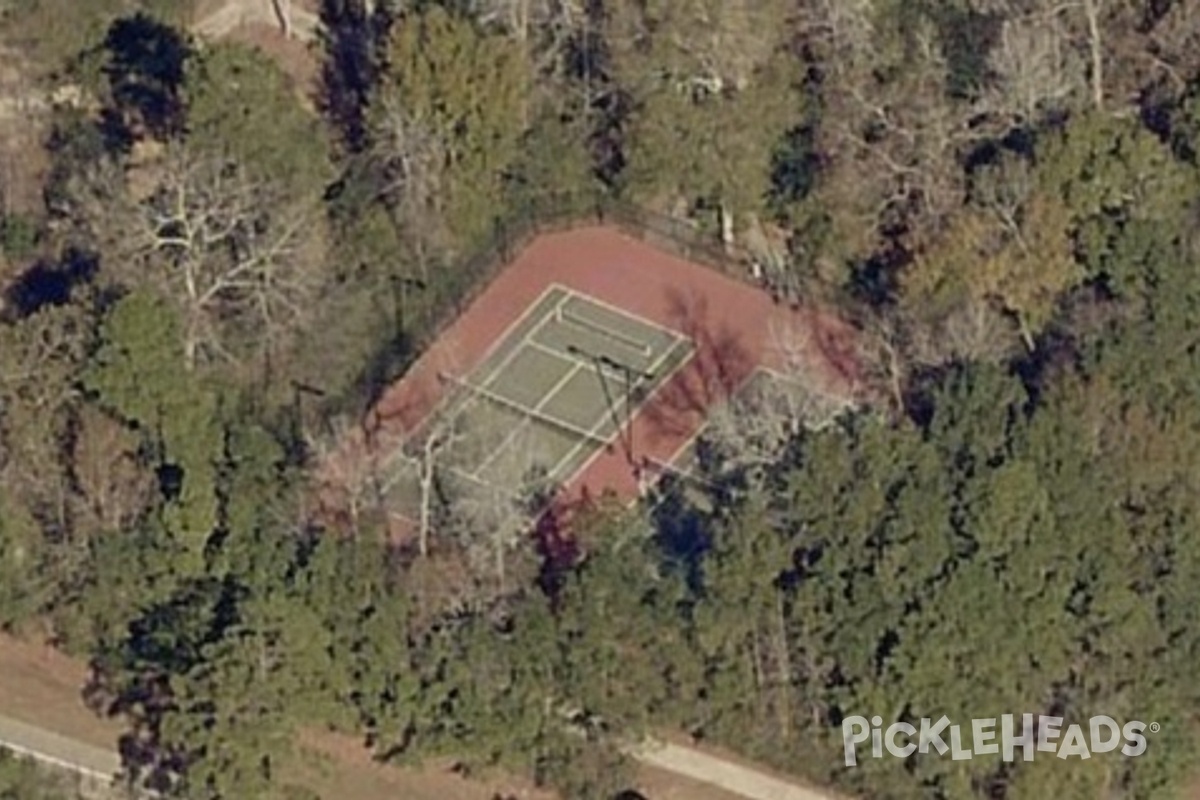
(40, 686)
(102, 765)
(96, 766)
(727, 775)
(42, 716)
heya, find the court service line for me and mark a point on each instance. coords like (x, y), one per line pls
(512, 327)
(612, 373)
(586, 434)
(454, 411)
(527, 339)
(578, 365)
(499, 368)
(449, 408)
(638, 345)
(567, 293)
(572, 371)
(596, 301)
(504, 401)
(662, 359)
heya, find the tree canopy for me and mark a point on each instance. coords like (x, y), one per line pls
(222, 268)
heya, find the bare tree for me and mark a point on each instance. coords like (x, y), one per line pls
(891, 135)
(791, 345)
(973, 330)
(412, 160)
(113, 488)
(843, 31)
(348, 476)
(554, 23)
(1003, 188)
(1091, 12)
(749, 433)
(39, 379)
(1035, 66)
(1174, 43)
(884, 355)
(426, 459)
(719, 44)
(239, 258)
(492, 518)
(1011, 250)
(283, 11)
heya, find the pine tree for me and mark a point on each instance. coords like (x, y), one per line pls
(138, 373)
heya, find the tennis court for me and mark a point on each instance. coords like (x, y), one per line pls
(559, 386)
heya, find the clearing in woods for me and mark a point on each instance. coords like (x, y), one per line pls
(548, 397)
(593, 354)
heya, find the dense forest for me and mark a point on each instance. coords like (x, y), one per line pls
(208, 272)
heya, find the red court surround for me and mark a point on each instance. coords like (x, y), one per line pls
(733, 325)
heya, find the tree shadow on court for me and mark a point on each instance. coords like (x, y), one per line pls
(720, 363)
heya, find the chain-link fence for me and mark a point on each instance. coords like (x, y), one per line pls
(460, 281)
(549, 213)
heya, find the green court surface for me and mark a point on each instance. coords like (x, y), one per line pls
(558, 387)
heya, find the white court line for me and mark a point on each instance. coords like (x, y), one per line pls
(499, 368)
(516, 323)
(695, 437)
(501, 400)
(643, 321)
(677, 339)
(637, 344)
(612, 373)
(578, 364)
(662, 359)
(442, 409)
(537, 409)
(499, 342)
(592, 435)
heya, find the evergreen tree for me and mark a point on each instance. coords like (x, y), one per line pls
(138, 374)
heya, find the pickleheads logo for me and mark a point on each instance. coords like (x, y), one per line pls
(1038, 734)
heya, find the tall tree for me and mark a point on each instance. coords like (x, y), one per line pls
(138, 373)
(450, 106)
(242, 105)
(238, 256)
(695, 72)
(1019, 258)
